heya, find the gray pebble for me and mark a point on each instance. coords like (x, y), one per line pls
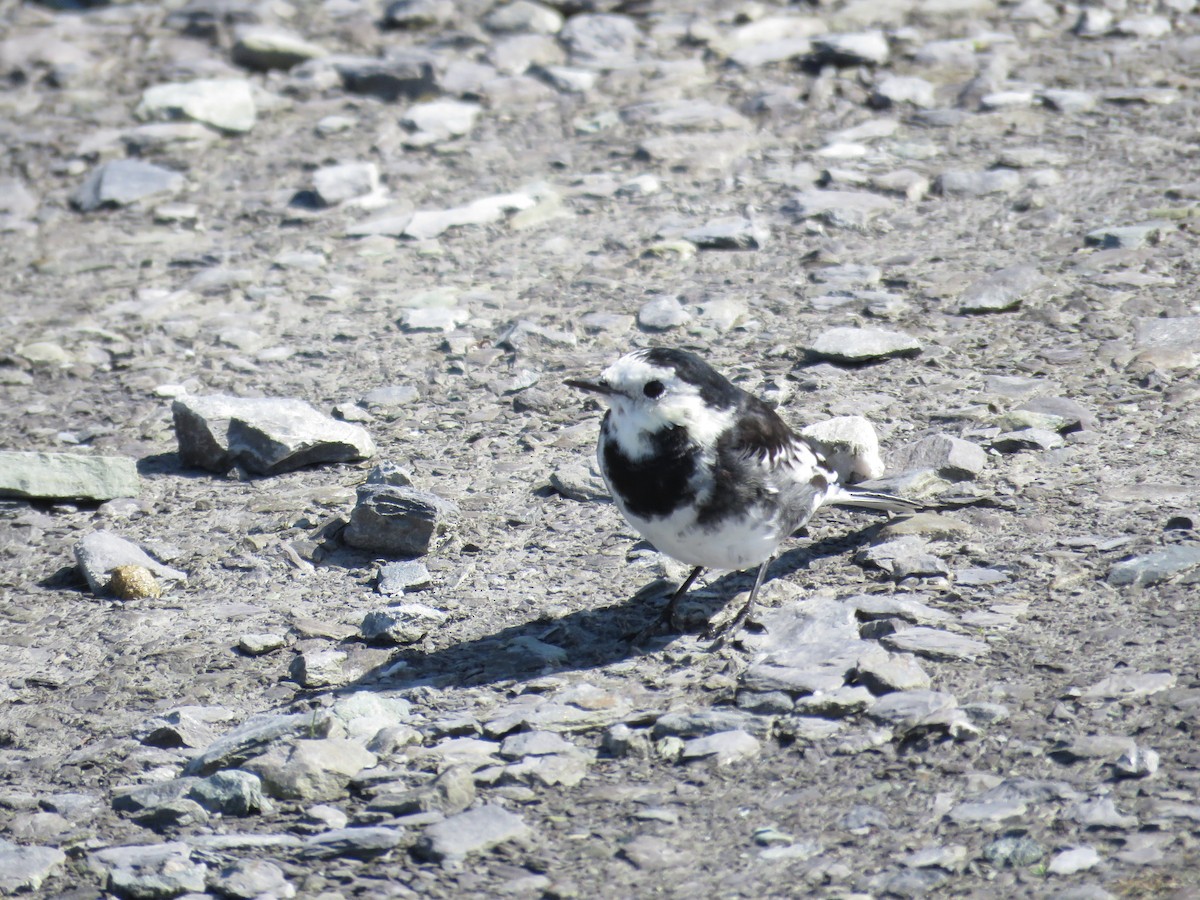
(98, 553)
(67, 476)
(24, 868)
(934, 644)
(1001, 290)
(224, 103)
(977, 183)
(1016, 851)
(399, 521)
(473, 831)
(403, 624)
(857, 345)
(124, 181)
(402, 577)
(355, 842)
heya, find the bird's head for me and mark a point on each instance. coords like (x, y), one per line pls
(649, 390)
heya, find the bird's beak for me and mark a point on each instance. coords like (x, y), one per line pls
(594, 387)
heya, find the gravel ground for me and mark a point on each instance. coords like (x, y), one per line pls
(418, 219)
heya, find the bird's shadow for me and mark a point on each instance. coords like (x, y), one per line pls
(585, 639)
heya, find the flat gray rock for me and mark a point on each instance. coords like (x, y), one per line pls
(67, 476)
(24, 868)
(121, 182)
(843, 209)
(266, 436)
(249, 739)
(729, 233)
(403, 577)
(473, 831)
(1001, 290)
(263, 49)
(934, 644)
(953, 459)
(858, 345)
(726, 747)
(403, 624)
(224, 103)
(150, 871)
(1157, 567)
(98, 553)
(250, 878)
(358, 842)
(397, 520)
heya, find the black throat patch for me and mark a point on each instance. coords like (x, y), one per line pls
(658, 485)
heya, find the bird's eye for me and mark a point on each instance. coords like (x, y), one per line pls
(653, 389)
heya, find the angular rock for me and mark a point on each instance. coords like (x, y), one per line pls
(473, 831)
(399, 521)
(319, 668)
(439, 120)
(892, 90)
(1128, 685)
(263, 49)
(1001, 290)
(25, 868)
(100, 552)
(850, 446)
(249, 739)
(355, 842)
(1077, 859)
(860, 345)
(952, 458)
(224, 103)
(727, 747)
(407, 74)
(524, 16)
(978, 183)
(231, 793)
(264, 435)
(935, 644)
(403, 624)
(662, 314)
(149, 871)
(729, 233)
(868, 48)
(346, 181)
(403, 577)
(841, 209)
(121, 182)
(427, 224)
(311, 769)
(1027, 439)
(67, 476)
(250, 878)
(884, 672)
(600, 41)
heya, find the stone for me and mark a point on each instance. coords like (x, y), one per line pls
(884, 672)
(599, 41)
(935, 644)
(858, 345)
(427, 224)
(1027, 439)
(403, 74)
(149, 871)
(231, 792)
(977, 183)
(449, 793)
(263, 49)
(729, 233)
(524, 16)
(261, 643)
(439, 120)
(1127, 685)
(1068, 101)
(1076, 859)
(25, 868)
(67, 476)
(868, 48)
(319, 668)
(474, 831)
(403, 624)
(950, 858)
(397, 578)
(249, 739)
(265, 436)
(892, 90)
(662, 314)
(357, 842)
(223, 103)
(850, 446)
(954, 459)
(344, 182)
(1016, 851)
(649, 853)
(1002, 290)
(726, 747)
(98, 554)
(841, 209)
(973, 813)
(129, 582)
(121, 182)
(250, 878)
(399, 521)
(311, 769)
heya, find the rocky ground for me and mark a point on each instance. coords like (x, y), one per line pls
(971, 222)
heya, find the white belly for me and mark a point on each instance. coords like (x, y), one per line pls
(734, 544)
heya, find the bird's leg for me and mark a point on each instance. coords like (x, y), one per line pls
(721, 632)
(668, 611)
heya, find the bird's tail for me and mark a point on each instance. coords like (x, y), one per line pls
(853, 496)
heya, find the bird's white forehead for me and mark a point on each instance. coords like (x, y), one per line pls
(633, 370)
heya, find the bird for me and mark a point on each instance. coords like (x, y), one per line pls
(708, 473)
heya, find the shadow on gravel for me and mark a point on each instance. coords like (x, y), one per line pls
(587, 639)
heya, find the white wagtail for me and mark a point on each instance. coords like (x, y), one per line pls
(707, 473)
